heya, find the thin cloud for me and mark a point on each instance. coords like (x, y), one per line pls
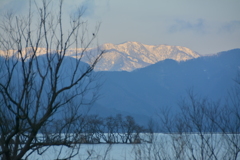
(89, 7)
(183, 25)
(231, 26)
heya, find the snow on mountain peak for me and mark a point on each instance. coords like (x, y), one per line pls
(132, 55)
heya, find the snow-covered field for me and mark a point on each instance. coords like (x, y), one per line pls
(164, 146)
(91, 152)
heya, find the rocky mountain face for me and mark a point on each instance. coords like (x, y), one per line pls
(132, 55)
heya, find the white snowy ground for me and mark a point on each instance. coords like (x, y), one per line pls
(97, 151)
(164, 146)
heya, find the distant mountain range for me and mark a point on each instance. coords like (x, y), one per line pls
(143, 92)
(127, 56)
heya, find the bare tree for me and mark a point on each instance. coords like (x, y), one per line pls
(228, 121)
(41, 95)
(112, 129)
(199, 132)
(202, 129)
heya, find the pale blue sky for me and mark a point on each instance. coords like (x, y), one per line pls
(205, 26)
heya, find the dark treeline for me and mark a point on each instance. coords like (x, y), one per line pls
(94, 129)
(112, 129)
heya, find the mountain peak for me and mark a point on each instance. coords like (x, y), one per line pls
(130, 43)
(131, 55)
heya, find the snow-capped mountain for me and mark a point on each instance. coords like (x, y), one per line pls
(24, 52)
(132, 55)
(127, 56)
